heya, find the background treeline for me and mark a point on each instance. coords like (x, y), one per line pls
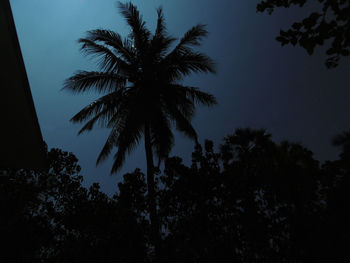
(253, 200)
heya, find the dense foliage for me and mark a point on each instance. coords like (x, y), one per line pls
(51, 217)
(253, 200)
(330, 21)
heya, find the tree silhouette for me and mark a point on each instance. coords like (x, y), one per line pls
(254, 200)
(330, 22)
(144, 94)
(50, 217)
(343, 141)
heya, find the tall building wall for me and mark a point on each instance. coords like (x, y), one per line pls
(21, 143)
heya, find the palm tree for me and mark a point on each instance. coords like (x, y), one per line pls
(140, 78)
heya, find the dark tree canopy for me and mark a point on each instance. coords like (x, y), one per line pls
(253, 200)
(50, 217)
(330, 23)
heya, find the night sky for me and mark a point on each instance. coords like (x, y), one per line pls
(259, 84)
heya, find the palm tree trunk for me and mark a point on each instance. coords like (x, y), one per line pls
(151, 192)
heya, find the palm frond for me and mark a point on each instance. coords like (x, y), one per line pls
(101, 117)
(109, 101)
(161, 28)
(183, 60)
(84, 81)
(159, 47)
(119, 121)
(113, 40)
(179, 65)
(106, 59)
(191, 38)
(127, 140)
(183, 123)
(140, 34)
(172, 97)
(195, 62)
(122, 123)
(197, 96)
(161, 41)
(194, 36)
(108, 146)
(161, 135)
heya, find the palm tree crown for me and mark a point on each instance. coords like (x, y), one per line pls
(140, 79)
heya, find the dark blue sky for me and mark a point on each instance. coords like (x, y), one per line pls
(258, 84)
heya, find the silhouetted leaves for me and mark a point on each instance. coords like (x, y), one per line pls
(51, 217)
(330, 23)
(253, 200)
(142, 76)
